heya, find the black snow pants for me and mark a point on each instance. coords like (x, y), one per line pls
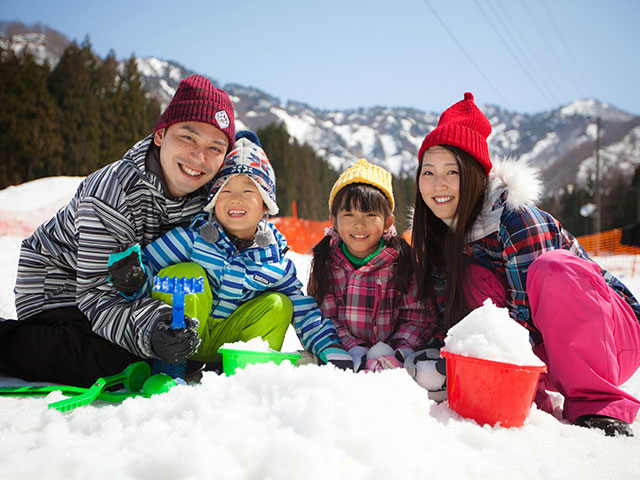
(59, 346)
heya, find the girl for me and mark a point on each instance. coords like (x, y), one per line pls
(583, 322)
(362, 276)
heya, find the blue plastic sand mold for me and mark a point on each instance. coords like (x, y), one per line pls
(178, 287)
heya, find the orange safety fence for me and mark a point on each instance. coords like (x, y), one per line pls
(302, 235)
(605, 248)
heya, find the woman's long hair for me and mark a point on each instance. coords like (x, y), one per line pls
(439, 249)
(364, 198)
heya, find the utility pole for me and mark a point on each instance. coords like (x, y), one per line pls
(598, 216)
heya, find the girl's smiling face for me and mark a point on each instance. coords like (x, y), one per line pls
(439, 182)
(360, 231)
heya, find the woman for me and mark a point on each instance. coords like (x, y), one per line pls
(583, 321)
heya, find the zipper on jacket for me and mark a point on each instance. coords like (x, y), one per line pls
(374, 313)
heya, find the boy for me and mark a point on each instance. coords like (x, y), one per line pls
(251, 288)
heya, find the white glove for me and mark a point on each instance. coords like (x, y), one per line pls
(429, 371)
(359, 356)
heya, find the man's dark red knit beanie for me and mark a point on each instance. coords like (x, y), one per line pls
(197, 100)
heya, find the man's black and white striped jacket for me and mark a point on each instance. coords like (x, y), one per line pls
(64, 262)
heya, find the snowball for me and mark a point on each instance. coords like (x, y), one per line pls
(254, 345)
(489, 333)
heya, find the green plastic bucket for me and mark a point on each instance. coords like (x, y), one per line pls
(234, 359)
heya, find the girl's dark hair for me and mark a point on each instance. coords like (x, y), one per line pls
(437, 248)
(364, 198)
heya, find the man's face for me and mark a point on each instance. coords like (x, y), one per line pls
(190, 155)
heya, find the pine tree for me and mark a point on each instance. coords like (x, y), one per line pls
(622, 202)
(301, 175)
(71, 84)
(275, 142)
(30, 139)
(404, 191)
(134, 104)
(571, 202)
(105, 88)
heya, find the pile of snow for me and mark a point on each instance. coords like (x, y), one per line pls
(24, 207)
(489, 333)
(253, 345)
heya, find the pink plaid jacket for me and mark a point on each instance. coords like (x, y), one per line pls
(365, 307)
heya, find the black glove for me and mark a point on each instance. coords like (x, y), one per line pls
(174, 346)
(125, 267)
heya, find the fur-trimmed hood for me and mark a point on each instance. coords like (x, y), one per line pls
(521, 179)
(512, 184)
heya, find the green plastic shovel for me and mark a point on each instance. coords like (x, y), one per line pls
(158, 383)
(135, 378)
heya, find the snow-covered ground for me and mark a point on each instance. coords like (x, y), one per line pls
(281, 422)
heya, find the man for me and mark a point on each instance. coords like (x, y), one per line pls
(73, 326)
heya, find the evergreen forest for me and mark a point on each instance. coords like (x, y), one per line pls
(72, 119)
(86, 112)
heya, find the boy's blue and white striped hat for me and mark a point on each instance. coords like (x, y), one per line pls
(247, 158)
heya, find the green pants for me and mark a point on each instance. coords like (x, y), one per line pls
(267, 316)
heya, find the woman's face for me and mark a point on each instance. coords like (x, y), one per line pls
(439, 182)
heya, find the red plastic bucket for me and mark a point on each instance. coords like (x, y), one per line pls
(491, 392)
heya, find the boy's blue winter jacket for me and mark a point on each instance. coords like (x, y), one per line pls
(238, 276)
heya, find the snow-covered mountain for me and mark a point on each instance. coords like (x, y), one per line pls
(560, 142)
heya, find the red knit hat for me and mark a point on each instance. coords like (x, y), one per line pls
(462, 125)
(197, 100)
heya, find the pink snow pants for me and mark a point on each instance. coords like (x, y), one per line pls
(591, 337)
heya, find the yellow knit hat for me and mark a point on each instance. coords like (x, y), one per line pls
(364, 172)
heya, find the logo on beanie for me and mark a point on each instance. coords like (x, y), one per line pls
(222, 118)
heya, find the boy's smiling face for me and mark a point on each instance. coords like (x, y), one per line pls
(239, 207)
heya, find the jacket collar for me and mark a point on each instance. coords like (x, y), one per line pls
(511, 184)
(274, 250)
(386, 256)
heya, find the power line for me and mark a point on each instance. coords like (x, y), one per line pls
(551, 47)
(566, 46)
(509, 49)
(486, 79)
(523, 40)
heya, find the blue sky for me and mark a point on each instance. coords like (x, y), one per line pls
(527, 56)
